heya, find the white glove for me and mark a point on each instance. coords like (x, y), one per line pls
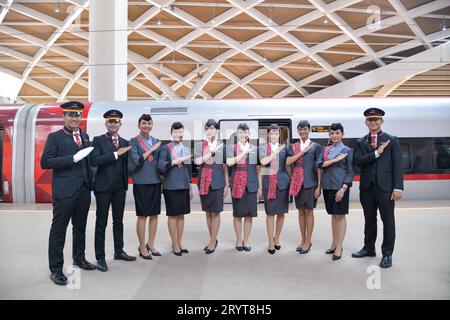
(82, 154)
(212, 146)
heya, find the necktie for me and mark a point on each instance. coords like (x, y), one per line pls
(116, 142)
(374, 142)
(77, 139)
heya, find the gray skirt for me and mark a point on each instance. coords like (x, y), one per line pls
(305, 199)
(278, 205)
(247, 206)
(213, 201)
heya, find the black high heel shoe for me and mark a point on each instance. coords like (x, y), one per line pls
(335, 257)
(330, 251)
(206, 247)
(277, 246)
(177, 253)
(156, 254)
(239, 248)
(149, 257)
(271, 251)
(302, 251)
(209, 251)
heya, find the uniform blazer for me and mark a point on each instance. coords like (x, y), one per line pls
(58, 154)
(283, 178)
(218, 178)
(337, 174)
(310, 158)
(175, 178)
(144, 171)
(103, 157)
(388, 167)
(252, 162)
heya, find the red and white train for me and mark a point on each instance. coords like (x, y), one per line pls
(422, 124)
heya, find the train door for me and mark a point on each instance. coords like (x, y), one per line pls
(228, 136)
(285, 130)
(285, 136)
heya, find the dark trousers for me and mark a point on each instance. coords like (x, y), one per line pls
(75, 208)
(372, 200)
(115, 199)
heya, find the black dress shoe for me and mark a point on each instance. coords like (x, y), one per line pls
(124, 256)
(101, 265)
(156, 253)
(330, 251)
(335, 257)
(386, 262)
(184, 250)
(85, 265)
(177, 253)
(363, 253)
(271, 251)
(58, 278)
(248, 249)
(149, 257)
(303, 251)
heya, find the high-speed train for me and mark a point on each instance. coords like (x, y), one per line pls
(422, 125)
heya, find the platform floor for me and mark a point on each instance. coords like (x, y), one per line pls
(421, 267)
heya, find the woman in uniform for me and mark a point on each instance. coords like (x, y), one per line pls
(242, 158)
(213, 181)
(275, 182)
(336, 162)
(175, 162)
(144, 155)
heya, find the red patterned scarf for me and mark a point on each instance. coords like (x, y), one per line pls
(207, 171)
(273, 175)
(240, 176)
(144, 146)
(297, 175)
(326, 153)
(174, 154)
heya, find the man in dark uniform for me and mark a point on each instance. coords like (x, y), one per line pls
(66, 152)
(110, 186)
(378, 156)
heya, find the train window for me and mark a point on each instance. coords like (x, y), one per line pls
(441, 155)
(406, 156)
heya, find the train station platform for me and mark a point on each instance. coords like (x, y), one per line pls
(421, 261)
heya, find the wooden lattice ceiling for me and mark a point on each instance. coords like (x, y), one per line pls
(226, 48)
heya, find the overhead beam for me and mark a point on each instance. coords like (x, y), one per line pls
(343, 25)
(403, 12)
(387, 89)
(4, 9)
(347, 66)
(421, 62)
